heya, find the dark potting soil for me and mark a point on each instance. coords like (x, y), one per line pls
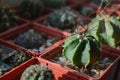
(94, 70)
(5, 52)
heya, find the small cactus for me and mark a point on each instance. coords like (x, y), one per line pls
(29, 39)
(37, 72)
(63, 18)
(82, 50)
(31, 9)
(19, 57)
(8, 19)
(54, 3)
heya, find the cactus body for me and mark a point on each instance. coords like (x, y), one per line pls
(64, 18)
(106, 29)
(37, 72)
(20, 57)
(54, 3)
(31, 9)
(30, 39)
(82, 51)
(7, 18)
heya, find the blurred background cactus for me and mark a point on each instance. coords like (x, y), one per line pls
(18, 58)
(54, 3)
(31, 9)
(29, 39)
(8, 19)
(34, 40)
(63, 18)
(37, 72)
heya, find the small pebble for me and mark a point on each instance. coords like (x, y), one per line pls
(48, 43)
(62, 59)
(41, 49)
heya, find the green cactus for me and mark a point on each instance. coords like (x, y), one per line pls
(106, 29)
(31, 9)
(82, 50)
(20, 57)
(37, 72)
(63, 18)
(54, 3)
(8, 18)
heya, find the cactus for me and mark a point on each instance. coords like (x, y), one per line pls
(82, 50)
(8, 18)
(20, 57)
(106, 29)
(30, 39)
(37, 72)
(31, 9)
(54, 3)
(63, 18)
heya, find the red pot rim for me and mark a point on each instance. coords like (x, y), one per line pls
(112, 66)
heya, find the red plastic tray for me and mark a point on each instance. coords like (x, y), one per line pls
(49, 31)
(21, 23)
(105, 76)
(14, 47)
(16, 73)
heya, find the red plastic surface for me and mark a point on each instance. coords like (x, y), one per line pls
(40, 28)
(8, 75)
(60, 73)
(42, 19)
(78, 76)
(22, 23)
(112, 50)
(13, 46)
(15, 73)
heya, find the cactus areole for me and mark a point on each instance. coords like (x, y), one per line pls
(82, 51)
(106, 29)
